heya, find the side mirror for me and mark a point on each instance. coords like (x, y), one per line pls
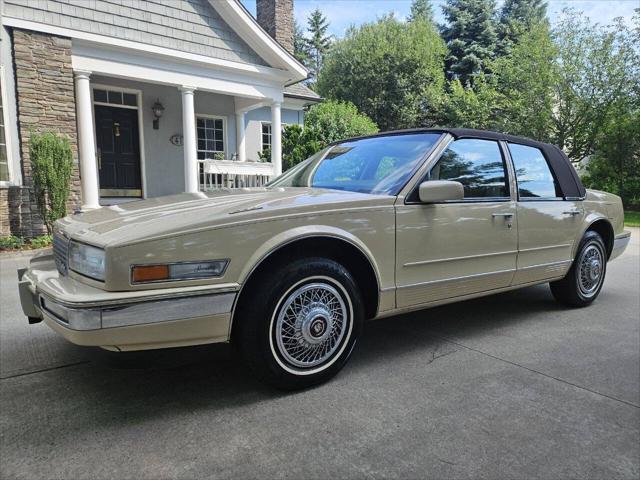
(435, 191)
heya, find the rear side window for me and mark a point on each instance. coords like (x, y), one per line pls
(477, 164)
(535, 179)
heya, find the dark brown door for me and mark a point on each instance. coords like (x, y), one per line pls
(118, 151)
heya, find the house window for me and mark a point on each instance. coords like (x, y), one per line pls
(266, 135)
(114, 97)
(210, 137)
(4, 153)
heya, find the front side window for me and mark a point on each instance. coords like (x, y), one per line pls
(4, 157)
(378, 165)
(477, 164)
(210, 138)
(533, 174)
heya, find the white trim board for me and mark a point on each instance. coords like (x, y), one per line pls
(185, 57)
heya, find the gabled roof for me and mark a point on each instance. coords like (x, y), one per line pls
(301, 91)
(238, 18)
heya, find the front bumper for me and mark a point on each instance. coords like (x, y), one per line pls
(620, 244)
(124, 320)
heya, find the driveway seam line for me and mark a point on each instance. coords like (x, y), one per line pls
(45, 370)
(538, 372)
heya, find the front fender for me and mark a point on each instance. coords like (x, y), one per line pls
(298, 233)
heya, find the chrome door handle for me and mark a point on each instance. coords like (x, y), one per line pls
(572, 212)
(506, 215)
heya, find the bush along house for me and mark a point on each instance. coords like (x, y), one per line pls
(156, 97)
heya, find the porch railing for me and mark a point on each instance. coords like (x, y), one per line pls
(233, 174)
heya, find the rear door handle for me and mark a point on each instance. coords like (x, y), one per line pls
(572, 212)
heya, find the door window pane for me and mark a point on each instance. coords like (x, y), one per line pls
(266, 136)
(533, 174)
(477, 164)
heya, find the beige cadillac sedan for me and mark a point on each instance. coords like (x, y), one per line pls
(367, 228)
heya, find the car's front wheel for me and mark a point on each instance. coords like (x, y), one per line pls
(582, 284)
(301, 325)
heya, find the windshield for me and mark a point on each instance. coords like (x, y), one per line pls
(378, 165)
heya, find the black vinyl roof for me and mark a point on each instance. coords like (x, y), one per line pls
(564, 172)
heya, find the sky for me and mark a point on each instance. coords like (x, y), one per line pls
(343, 13)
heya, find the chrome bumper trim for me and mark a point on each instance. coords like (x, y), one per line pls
(620, 244)
(139, 313)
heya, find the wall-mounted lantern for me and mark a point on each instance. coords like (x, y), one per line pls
(158, 110)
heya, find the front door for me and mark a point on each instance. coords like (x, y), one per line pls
(118, 145)
(459, 248)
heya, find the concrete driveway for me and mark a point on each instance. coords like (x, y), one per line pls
(510, 386)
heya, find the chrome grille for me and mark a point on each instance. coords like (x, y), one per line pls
(60, 252)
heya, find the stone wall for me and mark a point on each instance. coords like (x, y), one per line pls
(45, 102)
(276, 17)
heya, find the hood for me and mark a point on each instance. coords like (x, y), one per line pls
(187, 212)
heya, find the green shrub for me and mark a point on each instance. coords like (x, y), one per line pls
(51, 162)
(42, 241)
(11, 243)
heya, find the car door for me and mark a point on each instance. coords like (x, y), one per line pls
(547, 222)
(458, 248)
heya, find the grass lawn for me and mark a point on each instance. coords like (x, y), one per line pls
(632, 218)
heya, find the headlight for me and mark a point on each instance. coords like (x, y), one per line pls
(86, 260)
(178, 271)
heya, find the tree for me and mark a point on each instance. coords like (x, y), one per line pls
(524, 80)
(472, 107)
(598, 79)
(318, 43)
(300, 45)
(517, 17)
(390, 70)
(324, 123)
(421, 9)
(470, 34)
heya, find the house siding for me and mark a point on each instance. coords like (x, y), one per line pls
(45, 102)
(191, 26)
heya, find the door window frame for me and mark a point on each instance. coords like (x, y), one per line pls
(411, 197)
(138, 107)
(515, 177)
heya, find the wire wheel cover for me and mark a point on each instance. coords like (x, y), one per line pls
(590, 270)
(311, 325)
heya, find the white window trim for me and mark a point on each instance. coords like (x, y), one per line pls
(7, 134)
(225, 131)
(138, 93)
(266, 122)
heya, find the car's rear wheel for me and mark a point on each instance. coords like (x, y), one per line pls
(300, 327)
(582, 284)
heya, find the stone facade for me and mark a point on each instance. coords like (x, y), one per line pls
(46, 102)
(276, 17)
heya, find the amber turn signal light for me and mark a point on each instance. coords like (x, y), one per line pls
(149, 273)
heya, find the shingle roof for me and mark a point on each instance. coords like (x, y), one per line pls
(300, 90)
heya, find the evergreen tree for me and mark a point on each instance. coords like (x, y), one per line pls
(517, 17)
(300, 45)
(470, 34)
(318, 43)
(421, 9)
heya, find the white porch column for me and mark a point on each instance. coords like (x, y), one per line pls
(86, 142)
(276, 139)
(190, 140)
(241, 149)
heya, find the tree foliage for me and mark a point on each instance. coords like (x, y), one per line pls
(421, 9)
(598, 75)
(51, 163)
(300, 47)
(390, 70)
(517, 17)
(318, 42)
(470, 34)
